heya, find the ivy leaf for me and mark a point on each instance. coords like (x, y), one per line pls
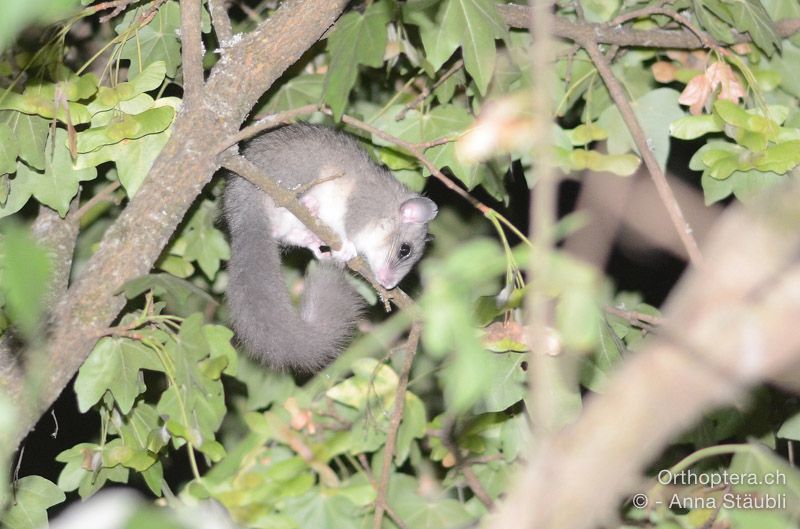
(157, 41)
(9, 149)
(114, 366)
(357, 39)
(324, 511)
(425, 512)
(34, 495)
(472, 25)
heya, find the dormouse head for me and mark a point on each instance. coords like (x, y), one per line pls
(397, 242)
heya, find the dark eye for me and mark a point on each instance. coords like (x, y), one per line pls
(405, 251)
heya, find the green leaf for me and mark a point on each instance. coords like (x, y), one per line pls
(194, 400)
(578, 318)
(19, 190)
(356, 39)
(114, 365)
(780, 158)
(31, 102)
(586, 133)
(425, 512)
(26, 273)
(182, 298)
(412, 427)
(732, 113)
(619, 164)
(715, 17)
(600, 10)
(31, 134)
(444, 120)
(34, 495)
(371, 379)
(157, 41)
(655, 111)
(202, 242)
(323, 510)
(751, 17)
(126, 127)
(219, 341)
(299, 91)
(60, 181)
(9, 149)
(508, 385)
(150, 78)
(692, 127)
(473, 25)
(790, 429)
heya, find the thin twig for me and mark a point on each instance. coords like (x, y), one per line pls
(267, 122)
(362, 461)
(517, 16)
(635, 317)
(617, 92)
(705, 38)
(394, 425)
(102, 195)
(461, 463)
(118, 6)
(417, 152)
(428, 91)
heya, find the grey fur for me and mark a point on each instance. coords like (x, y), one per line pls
(262, 314)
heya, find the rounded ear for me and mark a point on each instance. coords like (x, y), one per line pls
(419, 210)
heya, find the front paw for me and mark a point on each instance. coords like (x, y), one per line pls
(346, 252)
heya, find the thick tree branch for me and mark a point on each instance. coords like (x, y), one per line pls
(133, 243)
(221, 21)
(191, 53)
(730, 326)
(517, 16)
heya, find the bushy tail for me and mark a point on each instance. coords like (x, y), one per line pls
(262, 315)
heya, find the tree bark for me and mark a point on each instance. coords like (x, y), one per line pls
(188, 161)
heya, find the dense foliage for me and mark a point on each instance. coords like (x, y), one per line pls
(437, 90)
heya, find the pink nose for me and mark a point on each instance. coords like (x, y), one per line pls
(386, 278)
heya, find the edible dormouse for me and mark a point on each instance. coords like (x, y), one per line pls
(374, 215)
